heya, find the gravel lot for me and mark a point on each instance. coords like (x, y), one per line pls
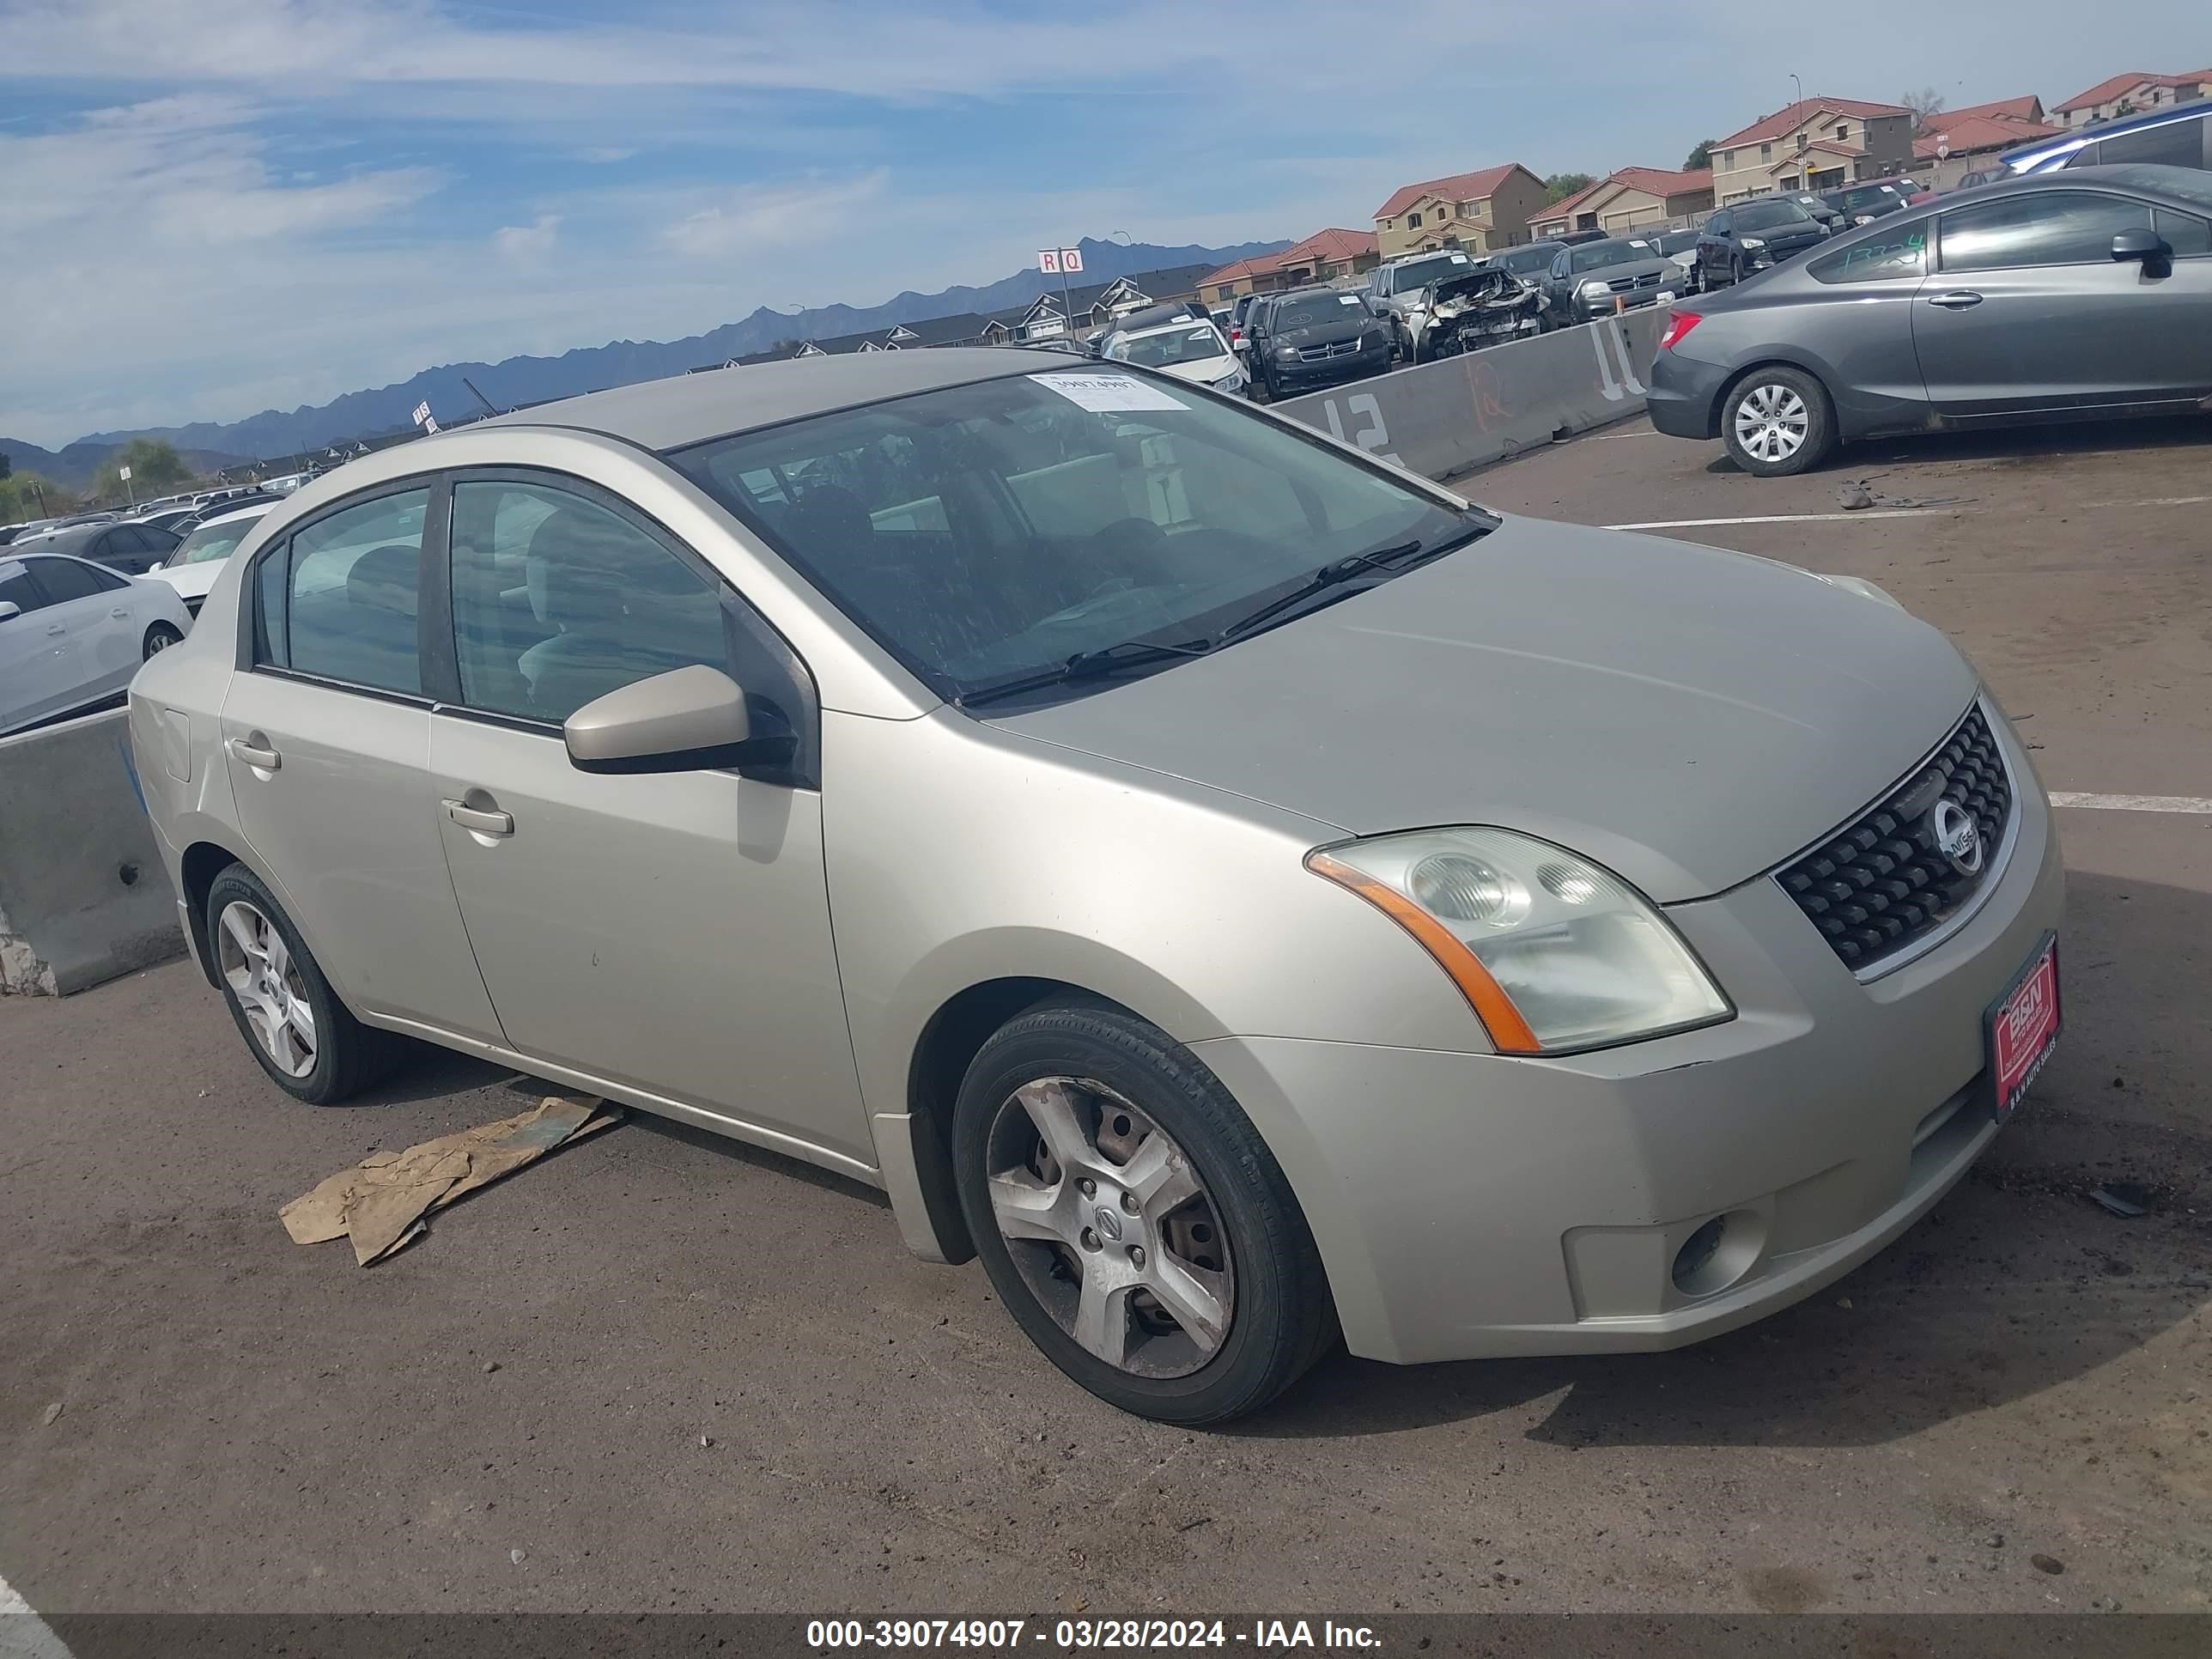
(659, 1371)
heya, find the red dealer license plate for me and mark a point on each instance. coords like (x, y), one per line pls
(2021, 1027)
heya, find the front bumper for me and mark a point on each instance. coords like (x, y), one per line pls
(1590, 310)
(1357, 366)
(1471, 1205)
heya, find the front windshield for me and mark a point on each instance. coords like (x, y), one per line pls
(1309, 310)
(1592, 256)
(1174, 345)
(1527, 261)
(1766, 216)
(211, 542)
(1001, 528)
(1420, 273)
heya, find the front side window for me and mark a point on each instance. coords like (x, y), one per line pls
(351, 594)
(16, 587)
(987, 531)
(2051, 228)
(558, 600)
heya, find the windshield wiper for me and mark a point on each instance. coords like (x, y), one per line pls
(1088, 665)
(1404, 555)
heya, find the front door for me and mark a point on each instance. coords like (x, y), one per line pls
(328, 742)
(96, 607)
(667, 932)
(2030, 313)
(39, 672)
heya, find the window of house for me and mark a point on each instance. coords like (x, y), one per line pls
(1412, 222)
(1766, 152)
(1804, 142)
(352, 583)
(1842, 131)
(2059, 228)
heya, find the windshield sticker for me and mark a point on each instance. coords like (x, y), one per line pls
(1906, 258)
(1347, 299)
(1459, 258)
(1104, 394)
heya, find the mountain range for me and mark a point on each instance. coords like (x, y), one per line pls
(519, 381)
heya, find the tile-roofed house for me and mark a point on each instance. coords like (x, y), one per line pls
(1482, 211)
(1322, 257)
(1955, 143)
(1622, 201)
(2132, 93)
(1815, 144)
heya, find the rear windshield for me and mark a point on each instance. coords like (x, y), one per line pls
(1174, 345)
(1420, 273)
(1592, 256)
(1766, 216)
(989, 531)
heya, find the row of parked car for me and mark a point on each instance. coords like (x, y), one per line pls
(84, 601)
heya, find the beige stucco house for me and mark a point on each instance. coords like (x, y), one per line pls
(1480, 211)
(1816, 143)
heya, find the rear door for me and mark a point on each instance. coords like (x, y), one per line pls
(2029, 315)
(95, 607)
(38, 671)
(327, 738)
(1714, 248)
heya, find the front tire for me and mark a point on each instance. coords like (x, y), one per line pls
(1133, 1221)
(158, 638)
(1778, 422)
(306, 1039)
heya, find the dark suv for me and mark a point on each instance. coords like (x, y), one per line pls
(1861, 204)
(1752, 235)
(1314, 337)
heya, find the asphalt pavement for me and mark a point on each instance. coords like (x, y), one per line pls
(660, 1371)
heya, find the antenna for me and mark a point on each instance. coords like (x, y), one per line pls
(490, 407)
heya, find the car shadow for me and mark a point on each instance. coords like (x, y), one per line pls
(2016, 1284)
(2013, 444)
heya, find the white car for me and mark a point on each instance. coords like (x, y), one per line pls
(72, 633)
(192, 568)
(1191, 349)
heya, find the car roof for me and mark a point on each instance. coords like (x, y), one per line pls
(2081, 137)
(689, 409)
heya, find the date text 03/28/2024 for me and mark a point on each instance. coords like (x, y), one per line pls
(1071, 1635)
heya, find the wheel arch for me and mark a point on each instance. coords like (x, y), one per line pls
(1819, 374)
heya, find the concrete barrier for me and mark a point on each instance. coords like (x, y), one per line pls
(82, 896)
(1443, 418)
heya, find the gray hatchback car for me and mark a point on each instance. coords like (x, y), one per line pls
(2062, 297)
(1240, 889)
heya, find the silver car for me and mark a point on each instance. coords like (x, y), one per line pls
(1240, 889)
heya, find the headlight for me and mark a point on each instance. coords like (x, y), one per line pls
(1553, 953)
(1228, 383)
(1594, 289)
(1287, 353)
(1754, 242)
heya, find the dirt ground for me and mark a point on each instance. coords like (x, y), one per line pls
(659, 1371)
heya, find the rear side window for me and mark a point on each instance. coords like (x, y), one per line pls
(351, 594)
(65, 578)
(2051, 228)
(2176, 145)
(1903, 253)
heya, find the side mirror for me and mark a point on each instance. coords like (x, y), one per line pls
(9, 611)
(2146, 246)
(689, 720)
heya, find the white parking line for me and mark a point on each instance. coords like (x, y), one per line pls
(2199, 804)
(23, 1634)
(1792, 517)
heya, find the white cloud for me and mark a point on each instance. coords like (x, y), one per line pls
(527, 245)
(748, 219)
(601, 155)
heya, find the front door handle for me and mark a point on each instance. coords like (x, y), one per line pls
(56, 630)
(1959, 299)
(266, 760)
(476, 818)
(120, 614)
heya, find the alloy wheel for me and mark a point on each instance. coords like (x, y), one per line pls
(257, 966)
(1111, 1228)
(1771, 421)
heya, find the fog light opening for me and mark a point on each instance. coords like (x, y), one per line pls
(1719, 1253)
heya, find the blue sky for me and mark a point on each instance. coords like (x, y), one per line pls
(212, 207)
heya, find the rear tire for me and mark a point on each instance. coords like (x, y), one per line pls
(306, 1039)
(1215, 1223)
(1778, 422)
(158, 638)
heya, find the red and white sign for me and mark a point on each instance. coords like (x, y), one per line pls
(1071, 259)
(1942, 146)
(2024, 1028)
(1049, 261)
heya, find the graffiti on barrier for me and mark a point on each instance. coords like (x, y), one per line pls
(1373, 437)
(1608, 330)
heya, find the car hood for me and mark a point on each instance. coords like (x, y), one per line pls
(1203, 371)
(1688, 717)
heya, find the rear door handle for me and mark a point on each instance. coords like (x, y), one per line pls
(267, 760)
(57, 629)
(1959, 299)
(121, 614)
(483, 822)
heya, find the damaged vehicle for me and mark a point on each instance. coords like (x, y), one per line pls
(1486, 306)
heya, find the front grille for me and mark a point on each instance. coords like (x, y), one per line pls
(1630, 284)
(1880, 882)
(1322, 354)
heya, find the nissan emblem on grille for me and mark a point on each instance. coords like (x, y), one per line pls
(1913, 860)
